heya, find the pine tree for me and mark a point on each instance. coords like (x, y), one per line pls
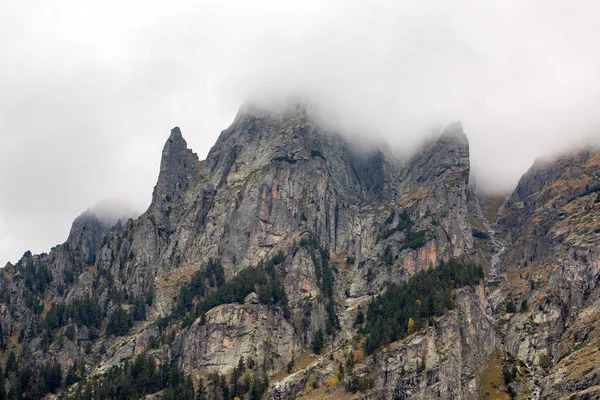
(186, 391)
(201, 393)
(318, 342)
(510, 307)
(224, 387)
(11, 363)
(2, 386)
(247, 381)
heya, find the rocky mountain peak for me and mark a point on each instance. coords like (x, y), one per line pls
(285, 110)
(553, 202)
(454, 129)
(180, 170)
(176, 134)
(263, 134)
(581, 165)
(446, 154)
(86, 234)
(90, 227)
(292, 238)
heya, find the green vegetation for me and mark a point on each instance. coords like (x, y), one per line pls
(136, 380)
(85, 312)
(195, 299)
(88, 312)
(477, 234)
(286, 158)
(138, 310)
(404, 223)
(29, 382)
(360, 318)
(510, 307)
(545, 362)
(491, 377)
(387, 257)
(318, 342)
(414, 239)
(119, 322)
(143, 377)
(426, 295)
(2, 386)
(359, 383)
(33, 302)
(390, 218)
(247, 281)
(36, 278)
(213, 275)
(3, 341)
(245, 382)
(507, 376)
(317, 153)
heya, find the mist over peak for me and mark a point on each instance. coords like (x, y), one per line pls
(110, 211)
(91, 105)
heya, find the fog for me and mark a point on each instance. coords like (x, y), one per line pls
(90, 90)
(110, 211)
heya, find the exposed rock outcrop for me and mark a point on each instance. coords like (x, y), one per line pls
(324, 226)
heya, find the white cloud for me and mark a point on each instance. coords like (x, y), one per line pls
(90, 90)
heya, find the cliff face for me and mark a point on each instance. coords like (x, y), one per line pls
(273, 175)
(552, 261)
(442, 361)
(550, 198)
(286, 232)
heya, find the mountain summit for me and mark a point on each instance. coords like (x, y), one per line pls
(293, 263)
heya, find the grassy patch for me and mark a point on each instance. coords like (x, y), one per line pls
(491, 380)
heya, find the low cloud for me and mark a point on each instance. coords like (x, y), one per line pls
(89, 92)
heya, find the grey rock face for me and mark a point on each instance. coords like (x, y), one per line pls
(179, 172)
(541, 202)
(452, 355)
(442, 362)
(231, 331)
(552, 265)
(280, 182)
(87, 233)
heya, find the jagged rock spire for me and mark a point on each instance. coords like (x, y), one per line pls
(179, 171)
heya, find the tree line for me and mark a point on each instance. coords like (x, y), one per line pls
(143, 376)
(195, 298)
(402, 309)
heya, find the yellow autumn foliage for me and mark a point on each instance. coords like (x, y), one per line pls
(307, 388)
(358, 356)
(411, 326)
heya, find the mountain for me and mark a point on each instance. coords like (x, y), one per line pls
(294, 263)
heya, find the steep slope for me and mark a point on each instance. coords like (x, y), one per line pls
(547, 305)
(243, 262)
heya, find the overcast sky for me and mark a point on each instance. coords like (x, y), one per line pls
(90, 90)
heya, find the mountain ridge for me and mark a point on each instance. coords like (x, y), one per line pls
(316, 228)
